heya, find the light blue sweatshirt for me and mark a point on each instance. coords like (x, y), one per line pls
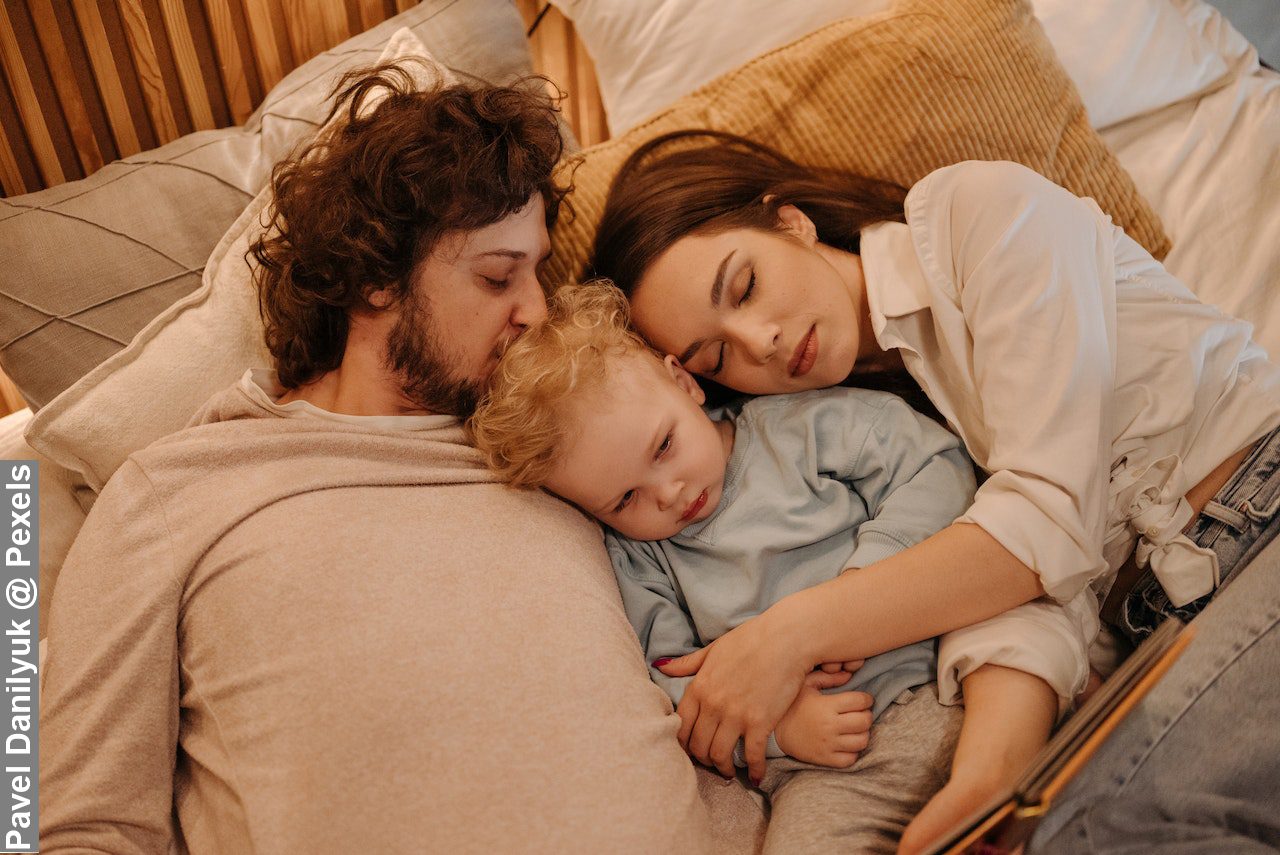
(816, 482)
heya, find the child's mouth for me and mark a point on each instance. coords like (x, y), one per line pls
(694, 506)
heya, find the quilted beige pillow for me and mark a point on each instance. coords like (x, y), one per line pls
(895, 96)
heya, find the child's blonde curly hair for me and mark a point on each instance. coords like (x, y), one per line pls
(521, 424)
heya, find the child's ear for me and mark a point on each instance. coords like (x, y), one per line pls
(684, 379)
(798, 223)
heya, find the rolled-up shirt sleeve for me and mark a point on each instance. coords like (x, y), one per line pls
(1035, 271)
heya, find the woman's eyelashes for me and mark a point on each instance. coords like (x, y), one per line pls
(496, 284)
(751, 286)
(746, 295)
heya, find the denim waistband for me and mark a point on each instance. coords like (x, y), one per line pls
(1236, 524)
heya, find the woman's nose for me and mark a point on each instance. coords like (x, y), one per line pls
(758, 341)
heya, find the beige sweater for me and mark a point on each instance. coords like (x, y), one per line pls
(305, 636)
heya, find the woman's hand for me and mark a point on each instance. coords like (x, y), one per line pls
(746, 680)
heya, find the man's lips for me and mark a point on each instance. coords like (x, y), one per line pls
(694, 506)
(806, 354)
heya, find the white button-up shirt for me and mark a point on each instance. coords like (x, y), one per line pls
(1092, 385)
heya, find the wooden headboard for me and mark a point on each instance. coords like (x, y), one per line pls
(90, 81)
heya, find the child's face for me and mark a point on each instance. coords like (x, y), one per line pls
(643, 457)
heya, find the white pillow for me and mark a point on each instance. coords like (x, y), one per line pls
(1126, 57)
(199, 345)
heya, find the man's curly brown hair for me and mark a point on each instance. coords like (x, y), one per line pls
(364, 203)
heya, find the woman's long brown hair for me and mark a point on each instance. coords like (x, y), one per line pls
(706, 182)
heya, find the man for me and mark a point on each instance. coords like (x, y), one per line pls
(312, 621)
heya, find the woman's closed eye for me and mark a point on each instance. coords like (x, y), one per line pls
(751, 286)
(496, 284)
(746, 295)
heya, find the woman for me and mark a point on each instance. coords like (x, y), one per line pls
(1112, 410)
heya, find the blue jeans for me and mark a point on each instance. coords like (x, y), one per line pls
(1195, 768)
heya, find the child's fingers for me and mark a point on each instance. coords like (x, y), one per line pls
(824, 680)
(853, 664)
(830, 667)
(852, 742)
(854, 701)
(844, 759)
(855, 722)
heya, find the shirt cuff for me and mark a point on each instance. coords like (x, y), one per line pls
(873, 546)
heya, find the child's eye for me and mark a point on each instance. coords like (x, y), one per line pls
(666, 445)
(626, 500)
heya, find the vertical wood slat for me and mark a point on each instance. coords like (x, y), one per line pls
(24, 95)
(405, 5)
(372, 13)
(64, 82)
(266, 50)
(190, 77)
(110, 88)
(592, 127)
(10, 174)
(298, 25)
(334, 25)
(148, 67)
(230, 62)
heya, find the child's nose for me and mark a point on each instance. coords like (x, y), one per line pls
(669, 495)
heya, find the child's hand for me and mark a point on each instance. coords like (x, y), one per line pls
(826, 730)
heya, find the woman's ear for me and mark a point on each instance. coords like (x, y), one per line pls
(798, 223)
(684, 379)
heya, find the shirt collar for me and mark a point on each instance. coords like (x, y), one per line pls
(895, 284)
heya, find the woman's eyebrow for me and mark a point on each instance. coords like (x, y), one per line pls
(717, 287)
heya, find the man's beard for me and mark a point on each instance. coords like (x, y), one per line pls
(415, 352)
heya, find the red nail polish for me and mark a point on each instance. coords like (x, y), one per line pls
(658, 663)
(755, 782)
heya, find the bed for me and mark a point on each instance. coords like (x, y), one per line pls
(1171, 87)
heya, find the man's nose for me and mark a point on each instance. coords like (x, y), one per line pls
(530, 304)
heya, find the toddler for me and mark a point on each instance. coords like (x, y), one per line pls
(714, 517)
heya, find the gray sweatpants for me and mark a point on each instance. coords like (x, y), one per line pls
(866, 807)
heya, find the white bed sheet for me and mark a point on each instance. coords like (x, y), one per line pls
(1211, 168)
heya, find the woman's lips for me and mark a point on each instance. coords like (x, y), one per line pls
(694, 506)
(806, 354)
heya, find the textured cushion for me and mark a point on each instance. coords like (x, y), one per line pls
(895, 96)
(139, 230)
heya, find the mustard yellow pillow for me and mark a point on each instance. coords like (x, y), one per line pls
(895, 96)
